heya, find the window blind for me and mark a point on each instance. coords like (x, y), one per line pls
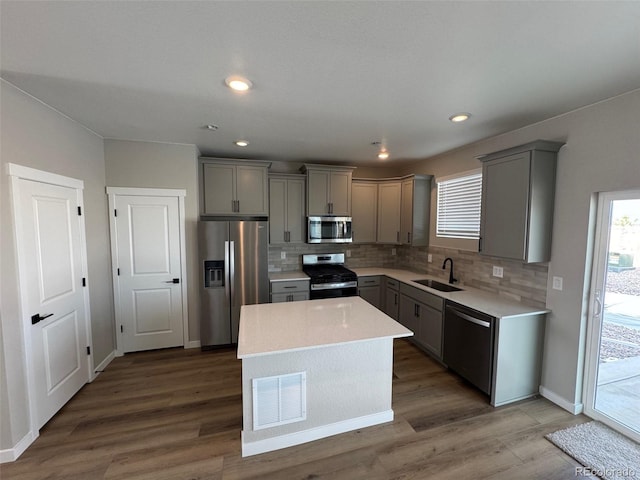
(458, 211)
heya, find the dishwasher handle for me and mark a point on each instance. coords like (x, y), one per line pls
(469, 318)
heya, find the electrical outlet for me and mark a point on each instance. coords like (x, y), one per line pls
(557, 283)
(498, 271)
(283, 255)
(429, 258)
(393, 251)
(348, 253)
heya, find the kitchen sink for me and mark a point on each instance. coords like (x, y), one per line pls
(443, 287)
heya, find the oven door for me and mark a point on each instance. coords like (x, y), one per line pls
(327, 290)
(329, 230)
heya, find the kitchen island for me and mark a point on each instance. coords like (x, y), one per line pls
(312, 369)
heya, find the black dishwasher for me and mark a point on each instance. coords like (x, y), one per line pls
(468, 344)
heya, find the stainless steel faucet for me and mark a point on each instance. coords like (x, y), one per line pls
(444, 266)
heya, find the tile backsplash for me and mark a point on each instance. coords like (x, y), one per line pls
(525, 283)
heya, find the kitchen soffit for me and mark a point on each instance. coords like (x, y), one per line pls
(329, 77)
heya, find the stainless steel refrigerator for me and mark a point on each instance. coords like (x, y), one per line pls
(234, 272)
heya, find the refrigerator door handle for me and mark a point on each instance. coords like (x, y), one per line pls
(232, 268)
(227, 270)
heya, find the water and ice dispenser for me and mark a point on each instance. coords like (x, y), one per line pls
(213, 273)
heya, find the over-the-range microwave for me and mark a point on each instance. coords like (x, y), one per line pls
(326, 229)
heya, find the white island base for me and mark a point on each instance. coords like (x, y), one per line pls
(313, 369)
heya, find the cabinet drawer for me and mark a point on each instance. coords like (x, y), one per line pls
(290, 287)
(392, 284)
(368, 281)
(289, 297)
(425, 297)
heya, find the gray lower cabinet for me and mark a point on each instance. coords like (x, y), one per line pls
(289, 291)
(369, 290)
(422, 312)
(391, 297)
(518, 187)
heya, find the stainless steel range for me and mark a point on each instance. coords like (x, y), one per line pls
(329, 277)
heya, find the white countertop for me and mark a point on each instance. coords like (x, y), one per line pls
(271, 328)
(287, 276)
(485, 302)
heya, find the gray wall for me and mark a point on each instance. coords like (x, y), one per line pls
(163, 165)
(34, 135)
(601, 154)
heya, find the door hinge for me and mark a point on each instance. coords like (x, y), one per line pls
(84, 282)
(79, 210)
(118, 272)
(88, 350)
(121, 329)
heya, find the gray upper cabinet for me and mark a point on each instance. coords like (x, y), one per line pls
(286, 209)
(364, 212)
(389, 200)
(414, 212)
(328, 190)
(229, 187)
(518, 187)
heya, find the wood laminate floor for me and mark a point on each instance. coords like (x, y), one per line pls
(177, 414)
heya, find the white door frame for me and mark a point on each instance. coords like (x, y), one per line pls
(17, 173)
(112, 192)
(596, 309)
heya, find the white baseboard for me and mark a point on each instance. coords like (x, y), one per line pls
(12, 454)
(100, 368)
(192, 344)
(296, 438)
(574, 408)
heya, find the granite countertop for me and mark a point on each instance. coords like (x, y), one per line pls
(287, 276)
(485, 302)
(271, 328)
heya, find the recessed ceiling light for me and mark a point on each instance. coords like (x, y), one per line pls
(459, 117)
(211, 127)
(238, 83)
(383, 155)
(241, 143)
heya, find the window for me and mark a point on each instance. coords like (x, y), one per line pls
(459, 200)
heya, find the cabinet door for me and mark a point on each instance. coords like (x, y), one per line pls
(340, 193)
(318, 194)
(364, 212)
(407, 313)
(505, 206)
(429, 333)
(391, 302)
(277, 210)
(251, 190)
(389, 212)
(406, 212)
(371, 295)
(295, 219)
(218, 189)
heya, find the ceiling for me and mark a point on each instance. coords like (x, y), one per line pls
(329, 78)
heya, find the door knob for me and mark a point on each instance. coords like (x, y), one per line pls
(38, 318)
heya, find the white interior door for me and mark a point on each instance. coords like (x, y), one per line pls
(613, 355)
(146, 230)
(51, 248)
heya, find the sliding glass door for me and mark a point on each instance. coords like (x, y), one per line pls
(613, 352)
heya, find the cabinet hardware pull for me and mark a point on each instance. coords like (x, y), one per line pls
(479, 244)
(395, 299)
(408, 237)
(292, 286)
(398, 237)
